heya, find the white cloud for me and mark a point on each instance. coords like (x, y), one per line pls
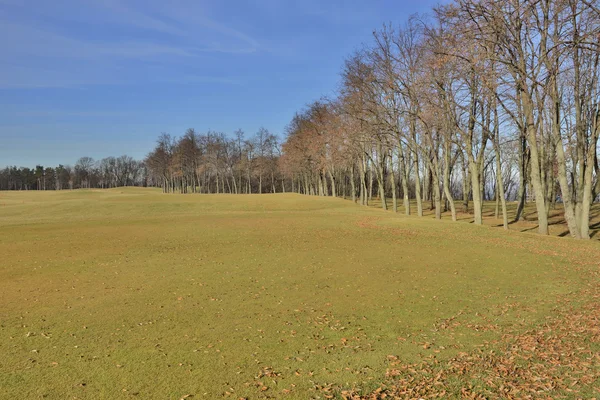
(76, 42)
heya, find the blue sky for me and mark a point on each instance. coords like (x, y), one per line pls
(106, 77)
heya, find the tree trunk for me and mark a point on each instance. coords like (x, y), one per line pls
(273, 182)
(352, 184)
(402, 167)
(417, 185)
(466, 183)
(499, 179)
(333, 188)
(394, 186)
(370, 187)
(447, 191)
(522, 192)
(364, 196)
(536, 178)
(475, 185)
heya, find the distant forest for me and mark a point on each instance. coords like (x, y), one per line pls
(87, 173)
(192, 163)
(480, 100)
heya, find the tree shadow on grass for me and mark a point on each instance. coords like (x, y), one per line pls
(594, 228)
(530, 229)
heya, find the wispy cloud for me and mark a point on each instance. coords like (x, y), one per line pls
(77, 42)
(62, 113)
(128, 13)
(332, 11)
(35, 42)
(186, 19)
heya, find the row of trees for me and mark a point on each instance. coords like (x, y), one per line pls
(213, 163)
(86, 173)
(193, 163)
(490, 99)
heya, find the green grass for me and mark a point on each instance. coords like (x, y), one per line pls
(132, 293)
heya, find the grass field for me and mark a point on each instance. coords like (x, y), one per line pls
(130, 293)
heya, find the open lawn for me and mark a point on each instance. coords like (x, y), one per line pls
(130, 293)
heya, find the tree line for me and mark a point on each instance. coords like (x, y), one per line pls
(482, 100)
(85, 174)
(212, 162)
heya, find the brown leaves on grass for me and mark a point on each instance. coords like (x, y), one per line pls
(260, 378)
(267, 372)
(555, 360)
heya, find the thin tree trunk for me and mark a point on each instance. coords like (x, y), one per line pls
(402, 167)
(333, 188)
(499, 178)
(447, 191)
(370, 190)
(352, 184)
(522, 192)
(394, 186)
(536, 178)
(418, 186)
